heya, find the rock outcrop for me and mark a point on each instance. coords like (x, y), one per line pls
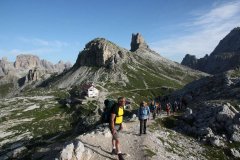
(138, 42)
(215, 108)
(190, 61)
(5, 67)
(100, 53)
(75, 151)
(225, 56)
(26, 62)
(32, 75)
(61, 66)
(213, 122)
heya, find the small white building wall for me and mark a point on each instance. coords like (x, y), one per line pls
(93, 92)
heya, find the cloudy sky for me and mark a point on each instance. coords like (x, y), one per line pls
(59, 29)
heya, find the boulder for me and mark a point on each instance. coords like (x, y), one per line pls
(204, 131)
(225, 114)
(67, 152)
(75, 151)
(235, 153)
(79, 150)
(235, 133)
(215, 141)
(19, 152)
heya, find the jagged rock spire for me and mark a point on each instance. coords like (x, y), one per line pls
(137, 42)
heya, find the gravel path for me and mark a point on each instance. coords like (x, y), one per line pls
(156, 144)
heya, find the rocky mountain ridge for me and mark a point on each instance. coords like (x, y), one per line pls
(104, 62)
(25, 62)
(27, 69)
(224, 57)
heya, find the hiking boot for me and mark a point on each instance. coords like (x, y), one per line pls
(114, 152)
(120, 156)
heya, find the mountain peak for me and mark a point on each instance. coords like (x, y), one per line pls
(98, 43)
(236, 29)
(224, 57)
(27, 61)
(229, 44)
(138, 42)
(99, 52)
(189, 60)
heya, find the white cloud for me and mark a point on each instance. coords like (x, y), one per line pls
(39, 51)
(219, 14)
(41, 42)
(209, 28)
(35, 46)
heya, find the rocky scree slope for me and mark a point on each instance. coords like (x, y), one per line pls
(213, 109)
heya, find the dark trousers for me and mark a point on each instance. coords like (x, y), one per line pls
(143, 126)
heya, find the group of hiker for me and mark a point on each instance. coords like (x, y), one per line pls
(156, 108)
(145, 111)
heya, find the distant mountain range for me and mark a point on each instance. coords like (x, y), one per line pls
(225, 56)
(27, 68)
(25, 62)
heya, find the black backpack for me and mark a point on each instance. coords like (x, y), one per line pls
(108, 103)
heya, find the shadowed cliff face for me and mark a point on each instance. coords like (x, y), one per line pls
(100, 53)
(229, 44)
(138, 42)
(225, 56)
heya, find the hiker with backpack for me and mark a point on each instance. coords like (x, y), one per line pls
(116, 120)
(143, 116)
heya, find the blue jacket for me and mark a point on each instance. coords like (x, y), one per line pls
(143, 112)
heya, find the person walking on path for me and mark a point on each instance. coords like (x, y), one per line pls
(159, 108)
(116, 125)
(143, 115)
(175, 107)
(168, 108)
(153, 109)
